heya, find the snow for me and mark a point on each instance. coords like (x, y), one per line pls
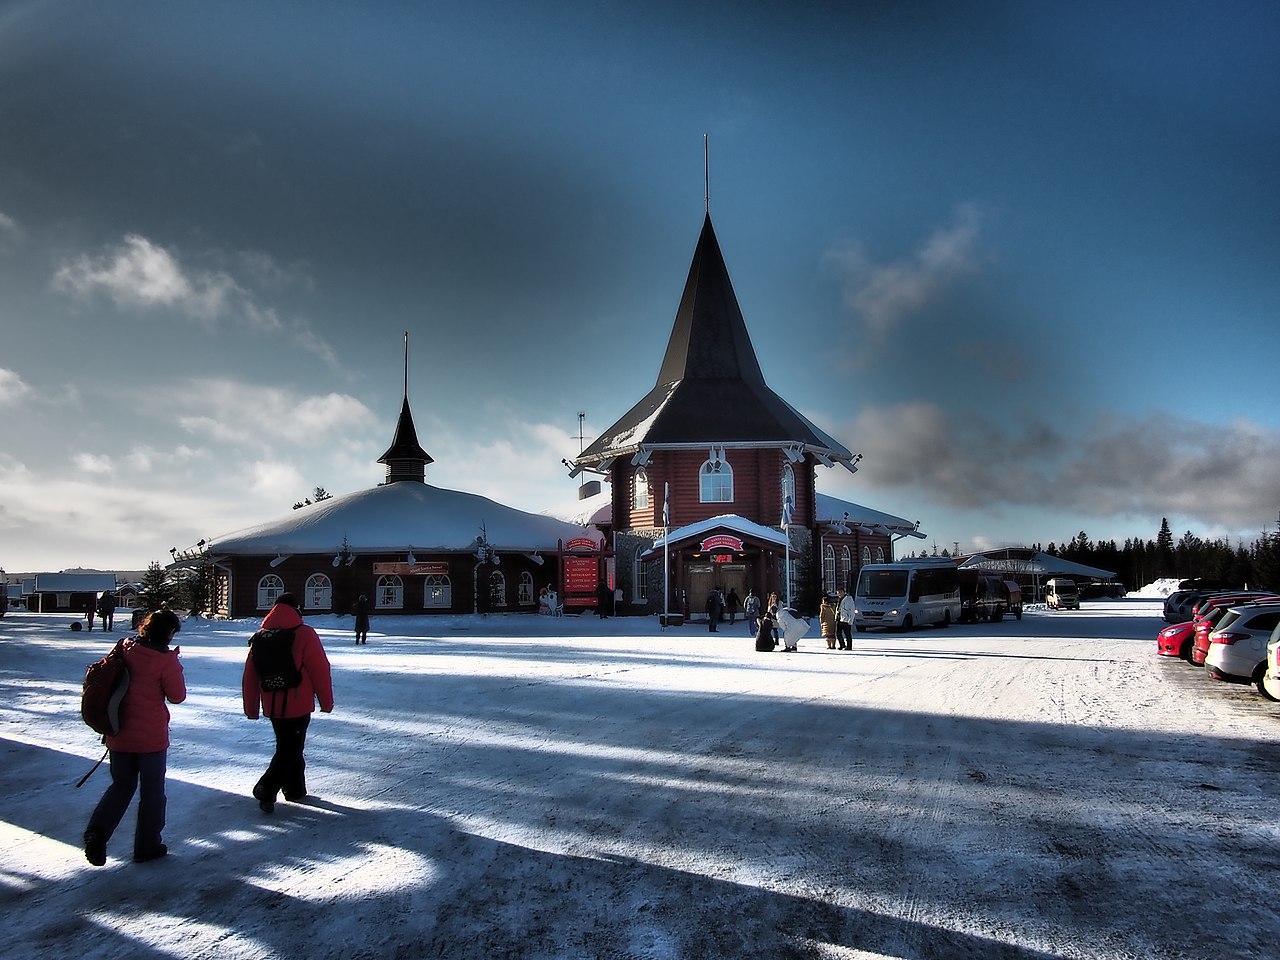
(397, 516)
(523, 786)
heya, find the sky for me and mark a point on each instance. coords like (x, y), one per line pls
(1018, 255)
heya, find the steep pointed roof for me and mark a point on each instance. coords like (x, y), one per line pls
(710, 388)
(405, 458)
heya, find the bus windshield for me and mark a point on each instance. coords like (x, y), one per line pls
(882, 584)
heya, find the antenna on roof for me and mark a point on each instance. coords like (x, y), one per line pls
(406, 364)
(706, 171)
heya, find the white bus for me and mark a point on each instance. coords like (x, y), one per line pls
(906, 594)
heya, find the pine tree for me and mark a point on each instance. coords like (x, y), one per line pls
(157, 589)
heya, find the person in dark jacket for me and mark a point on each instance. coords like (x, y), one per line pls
(715, 609)
(362, 620)
(765, 641)
(289, 710)
(139, 751)
(91, 610)
(107, 610)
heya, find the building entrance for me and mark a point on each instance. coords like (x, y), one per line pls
(700, 578)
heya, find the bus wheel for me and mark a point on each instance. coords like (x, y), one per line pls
(907, 623)
(946, 618)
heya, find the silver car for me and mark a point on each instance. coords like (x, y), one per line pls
(1238, 644)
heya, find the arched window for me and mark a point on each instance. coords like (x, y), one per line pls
(828, 569)
(390, 593)
(715, 482)
(846, 564)
(639, 580)
(879, 554)
(269, 589)
(497, 589)
(319, 592)
(524, 590)
(641, 497)
(866, 555)
(438, 592)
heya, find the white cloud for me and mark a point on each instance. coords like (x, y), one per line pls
(257, 416)
(885, 295)
(140, 274)
(10, 232)
(93, 463)
(12, 387)
(275, 480)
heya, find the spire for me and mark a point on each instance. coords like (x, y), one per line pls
(709, 339)
(405, 458)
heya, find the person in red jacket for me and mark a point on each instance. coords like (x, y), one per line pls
(140, 750)
(290, 709)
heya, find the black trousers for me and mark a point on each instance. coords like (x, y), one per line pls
(844, 635)
(287, 770)
(127, 770)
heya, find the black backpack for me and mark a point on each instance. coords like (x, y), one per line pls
(105, 683)
(272, 654)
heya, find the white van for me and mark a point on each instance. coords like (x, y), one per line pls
(1061, 594)
(906, 594)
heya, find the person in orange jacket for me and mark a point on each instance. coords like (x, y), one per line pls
(290, 709)
(139, 752)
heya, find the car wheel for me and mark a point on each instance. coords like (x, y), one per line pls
(997, 615)
(1019, 613)
(1187, 650)
(1268, 687)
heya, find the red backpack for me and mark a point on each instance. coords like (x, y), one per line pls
(105, 684)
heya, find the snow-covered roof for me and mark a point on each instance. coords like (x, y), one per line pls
(396, 517)
(832, 510)
(74, 582)
(591, 511)
(728, 521)
(1035, 562)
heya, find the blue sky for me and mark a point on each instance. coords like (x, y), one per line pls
(1021, 256)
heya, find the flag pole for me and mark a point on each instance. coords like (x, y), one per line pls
(666, 561)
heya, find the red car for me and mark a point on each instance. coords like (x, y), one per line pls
(1211, 612)
(1176, 641)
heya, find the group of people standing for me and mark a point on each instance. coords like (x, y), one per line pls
(139, 751)
(778, 623)
(104, 607)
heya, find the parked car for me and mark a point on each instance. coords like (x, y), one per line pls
(1060, 593)
(1210, 616)
(1238, 647)
(1177, 640)
(1014, 594)
(1270, 685)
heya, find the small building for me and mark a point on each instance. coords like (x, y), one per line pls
(67, 592)
(408, 546)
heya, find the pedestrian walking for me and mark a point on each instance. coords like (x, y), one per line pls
(289, 702)
(362, 620)
(107, 610)
(715, 606)
(733, 603)
(139, 752)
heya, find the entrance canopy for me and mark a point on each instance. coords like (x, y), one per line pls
(1033, 563)
(730, 521)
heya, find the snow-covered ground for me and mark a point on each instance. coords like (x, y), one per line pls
(547, 788)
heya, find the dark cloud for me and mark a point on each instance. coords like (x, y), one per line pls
(1105, 466)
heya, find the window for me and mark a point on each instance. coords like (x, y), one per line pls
(389, 594)
(879, 554)
(438, 592)
(641, 498)
(793, 582)
(715, 482)
(866, 555)
(846, 562)
(497, 589)
(269, 589)
(829, 569)
(319, 593)
(639, 580)
(524, 590)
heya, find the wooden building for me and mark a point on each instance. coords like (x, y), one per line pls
(715, 472)
(408, 546)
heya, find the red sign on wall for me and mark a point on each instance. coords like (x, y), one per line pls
(721, 541)
(581, 543)
(581, 575)
(411, 569)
